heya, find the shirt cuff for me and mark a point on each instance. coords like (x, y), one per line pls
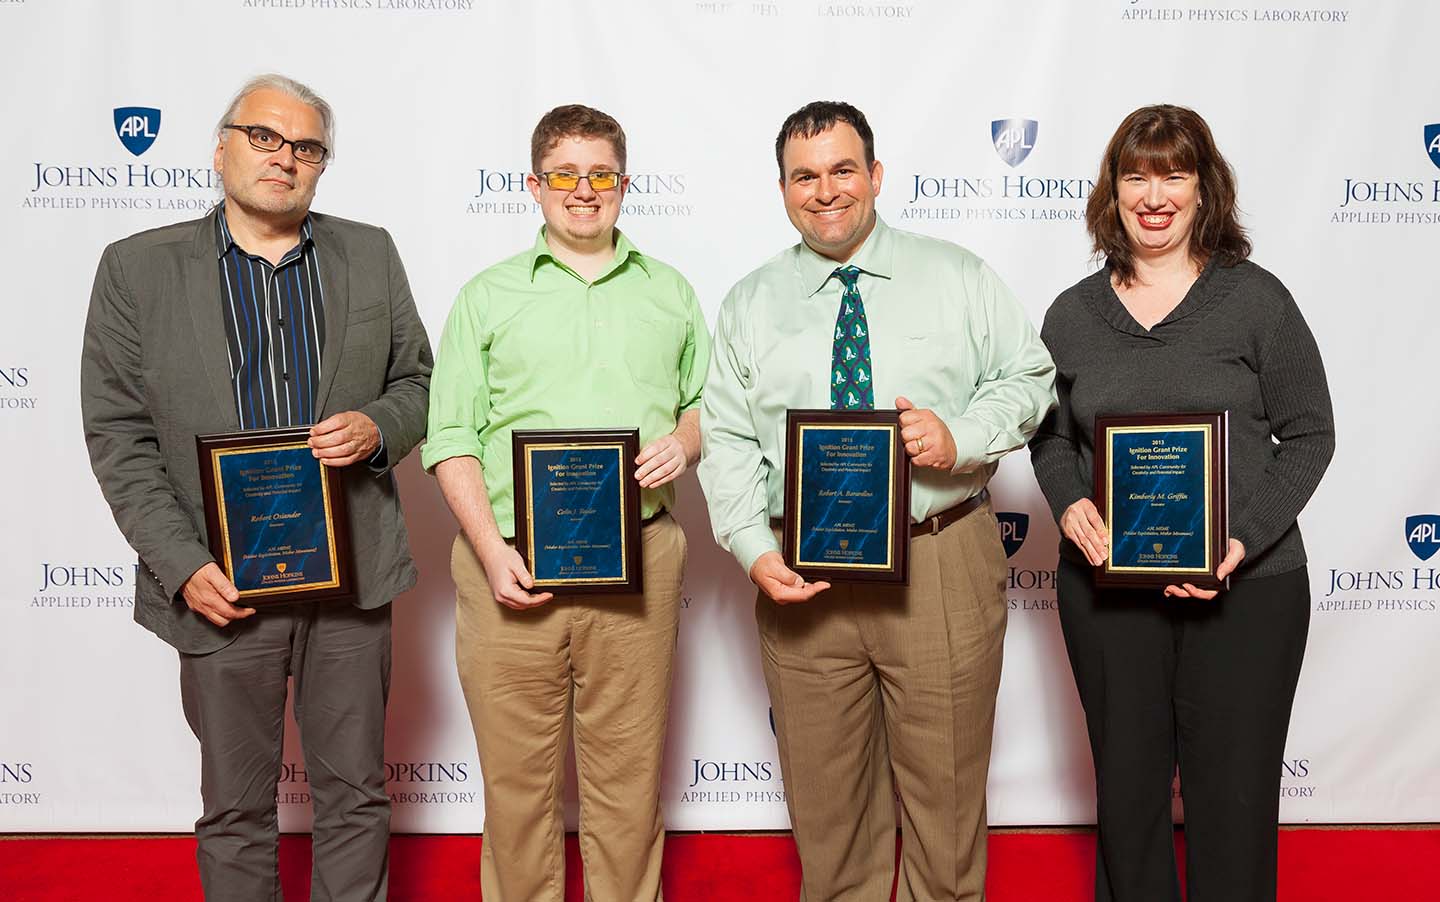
(377, 460)
(972, 442)
(749, 542)
(447, 443)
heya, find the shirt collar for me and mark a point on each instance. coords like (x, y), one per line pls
(875, 257)
(224, 240)
(624, 252)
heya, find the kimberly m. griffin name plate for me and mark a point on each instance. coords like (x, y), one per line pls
(275, 516)
(577, 509)
(1162, 485)
(847, 496)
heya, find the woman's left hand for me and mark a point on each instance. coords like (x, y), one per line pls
(1233, 557)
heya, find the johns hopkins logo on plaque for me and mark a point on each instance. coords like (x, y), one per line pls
(1014, 139)
(137, 127)
(1014, 527)
(1422, 531)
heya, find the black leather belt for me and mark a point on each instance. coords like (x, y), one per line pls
(931, 526)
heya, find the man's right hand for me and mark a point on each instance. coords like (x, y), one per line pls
(509, 580)
(783, 585)
(210, 593)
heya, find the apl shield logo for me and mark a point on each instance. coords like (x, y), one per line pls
(1432, 143)
(137, 126)
(1013, 530)
(1422, 531)
(1014, 139)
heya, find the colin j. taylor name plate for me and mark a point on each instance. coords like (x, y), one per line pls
(577, 509)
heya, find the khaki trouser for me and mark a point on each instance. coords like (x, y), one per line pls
(870, 680)
(607, 658)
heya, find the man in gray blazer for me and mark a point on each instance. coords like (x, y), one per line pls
(263, 314)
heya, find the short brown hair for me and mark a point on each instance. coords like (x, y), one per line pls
(575, 121)
(821, 116)
(1165, 138)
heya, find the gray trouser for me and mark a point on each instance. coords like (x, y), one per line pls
(234, 700)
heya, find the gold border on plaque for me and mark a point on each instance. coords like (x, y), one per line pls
(889, 500)
(529, 502)
(1203, 429)
(223, 508)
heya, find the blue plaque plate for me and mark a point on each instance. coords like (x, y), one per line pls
(274, 516)
(577, 509)
(847, 499)
(1161, 482)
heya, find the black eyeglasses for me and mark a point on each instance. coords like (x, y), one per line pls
(269, 140)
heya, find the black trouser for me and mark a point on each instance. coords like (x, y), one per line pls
(1211, 682)
(234, 698)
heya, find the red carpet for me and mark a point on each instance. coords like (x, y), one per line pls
(1316, 865)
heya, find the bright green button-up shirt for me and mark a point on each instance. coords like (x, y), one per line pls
(531, 345)
(945, 332)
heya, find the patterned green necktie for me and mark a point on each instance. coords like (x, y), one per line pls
(851, 385)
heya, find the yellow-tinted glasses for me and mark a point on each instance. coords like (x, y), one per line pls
(569, 181)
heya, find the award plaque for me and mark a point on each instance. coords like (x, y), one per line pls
(577, 509)
(1161, 483)
(847, 496)
(275, 516)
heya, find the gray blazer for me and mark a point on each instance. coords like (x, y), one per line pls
(154, 372)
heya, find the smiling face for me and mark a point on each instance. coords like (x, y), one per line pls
(582, 217)
(1158, 210)
(273, 184)
(829, 191)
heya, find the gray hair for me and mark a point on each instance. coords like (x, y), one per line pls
(289, 87)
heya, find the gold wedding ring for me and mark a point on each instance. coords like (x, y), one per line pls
(920, 445)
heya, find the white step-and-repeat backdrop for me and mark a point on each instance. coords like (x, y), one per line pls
(1328, 112)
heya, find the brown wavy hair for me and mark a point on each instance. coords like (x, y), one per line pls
(575, 121)
(1160, 139)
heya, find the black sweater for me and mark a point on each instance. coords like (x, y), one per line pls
(1235, 342)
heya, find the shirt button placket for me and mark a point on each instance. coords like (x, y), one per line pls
(606, 347)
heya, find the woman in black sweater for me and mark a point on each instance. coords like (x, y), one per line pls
(1179, 320)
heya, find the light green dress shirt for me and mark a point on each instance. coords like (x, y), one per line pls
(945, 332)
(531, 345)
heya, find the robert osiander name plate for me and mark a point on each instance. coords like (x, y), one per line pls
(1162, 485)
(847, 496)
(275, 516)
(577, 509)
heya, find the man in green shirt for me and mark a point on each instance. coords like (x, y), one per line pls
(581, 330)
(870, 680)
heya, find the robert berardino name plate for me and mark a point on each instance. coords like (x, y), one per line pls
(275, 516)
(847, 496)
(577, 509)
(1162, 485)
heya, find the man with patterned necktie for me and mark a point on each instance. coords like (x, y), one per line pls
(870, 680)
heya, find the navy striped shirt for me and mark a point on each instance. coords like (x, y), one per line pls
(274, 329)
